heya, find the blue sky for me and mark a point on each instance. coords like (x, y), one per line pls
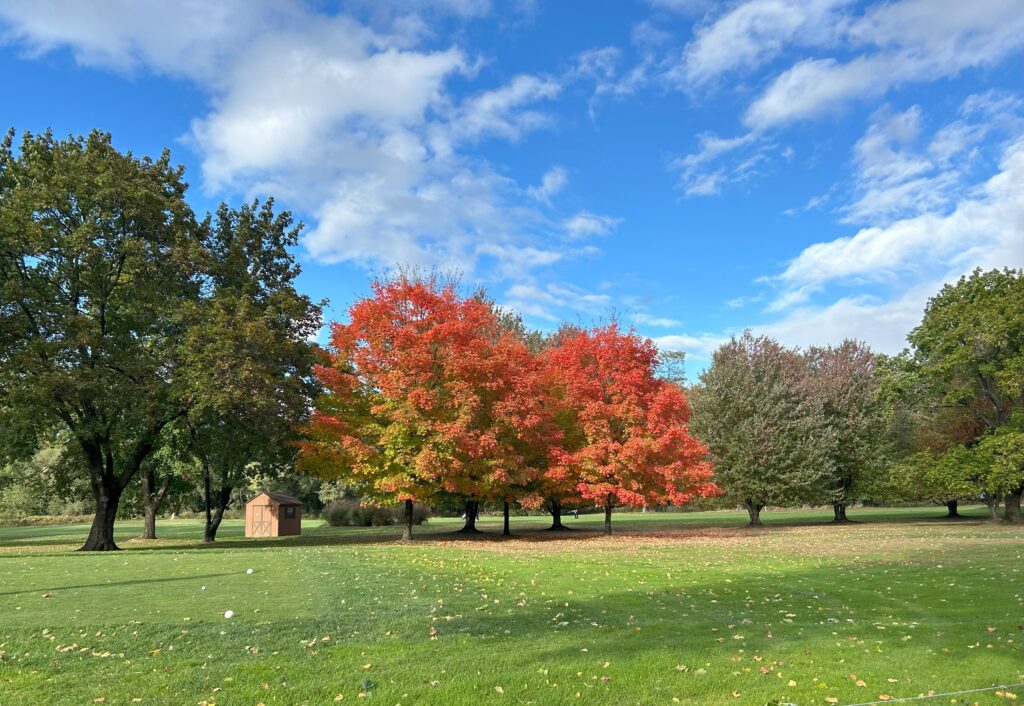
(812, 170)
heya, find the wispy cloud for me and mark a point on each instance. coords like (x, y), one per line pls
(586, 224)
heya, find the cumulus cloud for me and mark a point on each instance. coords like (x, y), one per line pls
(190, 38)
(983, 230)
(754, 33)
(899, 42)
(354, 122)
(700, 346)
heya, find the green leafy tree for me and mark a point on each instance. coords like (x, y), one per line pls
(168, 469)
(97, 280)
(844, 382)
(969, 347)
(963, 377)
(940, 477)
(1003, 458)
(755, 410)
(250, 362)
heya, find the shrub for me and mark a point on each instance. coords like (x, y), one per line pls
(338, 513)
(351, 513)
(371, 516)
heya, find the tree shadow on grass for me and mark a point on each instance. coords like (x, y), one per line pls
(113, 584)
(20, 540)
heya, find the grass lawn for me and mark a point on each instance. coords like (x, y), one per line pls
(675, 608)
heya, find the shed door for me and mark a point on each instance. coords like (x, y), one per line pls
(261, 517)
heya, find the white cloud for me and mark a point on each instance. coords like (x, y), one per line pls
(586, 224)
(500, 112)
(189, 38)
(601, 66)
(882, 324)
(700, 346)
(292, 96)
(356, 124)
(896, 177)
(660, 321)
(983, 230)
(698, 175)
(545, 302)
(902, 42)
(552, 183)
(755, 32)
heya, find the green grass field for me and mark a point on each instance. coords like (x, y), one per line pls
(675, 608)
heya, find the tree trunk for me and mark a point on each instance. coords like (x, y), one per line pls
(608, 514)
(952, 509)
(148, 521)
(101, 535)
(1012, 502)
(207, 502)
(407, 533)
(992, 501)
(214, 517)
(472, 510)
(108, 484)
(754, 510)
(556, 516)
(151, 499)
(839, 509)
(506, 530)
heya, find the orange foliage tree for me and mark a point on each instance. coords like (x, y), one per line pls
(629, 441)
(427, 392)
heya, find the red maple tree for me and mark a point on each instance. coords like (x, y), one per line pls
(630, 442)
(427, 392)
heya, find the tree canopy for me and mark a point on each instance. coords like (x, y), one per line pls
(756, 410)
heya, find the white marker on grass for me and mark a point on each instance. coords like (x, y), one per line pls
(228, 613)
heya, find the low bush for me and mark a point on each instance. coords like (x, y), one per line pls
(352, 513)
(338, 513)
(372, 516)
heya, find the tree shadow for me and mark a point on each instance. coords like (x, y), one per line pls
(623, 525)
(113, 584)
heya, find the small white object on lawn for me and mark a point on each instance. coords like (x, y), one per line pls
(248, 571)
(202, 588)
(228, 613)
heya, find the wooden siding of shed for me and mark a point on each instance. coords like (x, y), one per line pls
(272, 513)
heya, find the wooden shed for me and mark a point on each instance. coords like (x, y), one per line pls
(273, 515)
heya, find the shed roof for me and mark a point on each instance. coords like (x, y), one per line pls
(282, 499)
